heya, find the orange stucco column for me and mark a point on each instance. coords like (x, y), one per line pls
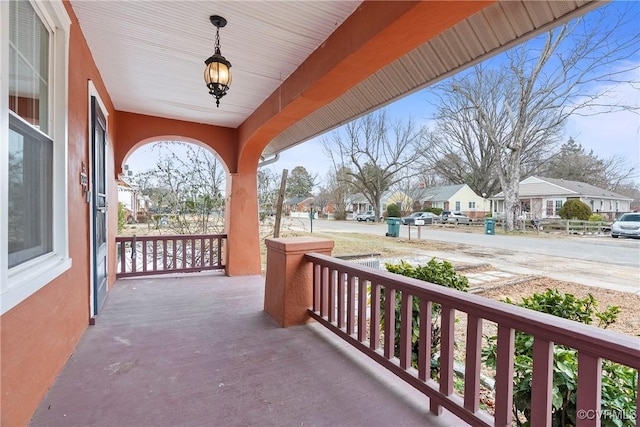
(241, 224)
(289, 284)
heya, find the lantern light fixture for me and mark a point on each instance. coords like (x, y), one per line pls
(217, 75)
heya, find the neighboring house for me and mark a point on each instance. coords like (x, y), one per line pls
(451, 197)
(132, 200)
(457, 198)
(358, 203)
(543, 198)
(399, 198)
(297, 205)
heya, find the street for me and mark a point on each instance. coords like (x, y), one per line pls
(591, 260)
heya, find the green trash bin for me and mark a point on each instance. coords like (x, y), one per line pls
(393, 227)
(489, 226)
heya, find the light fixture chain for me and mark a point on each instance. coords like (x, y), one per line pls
(217, 43)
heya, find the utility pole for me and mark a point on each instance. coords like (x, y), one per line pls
(283, 185)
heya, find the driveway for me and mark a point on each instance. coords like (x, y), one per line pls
(591, 260)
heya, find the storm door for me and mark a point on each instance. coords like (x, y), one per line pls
(99, 205)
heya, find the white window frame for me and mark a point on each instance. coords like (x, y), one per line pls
(20, 282)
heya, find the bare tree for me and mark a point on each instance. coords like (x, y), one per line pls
(619, 174)
(187, 184)
(339, 187)
(458, 150)
(507, 120)
(322, 200)
(268, 187)
(375, 149)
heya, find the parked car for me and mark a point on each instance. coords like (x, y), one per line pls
(627, 225)
(458, 218)
(366, 216)
(428, 217)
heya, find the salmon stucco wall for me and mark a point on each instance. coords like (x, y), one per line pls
(39, 335)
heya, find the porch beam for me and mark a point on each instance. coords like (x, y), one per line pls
(373, 36)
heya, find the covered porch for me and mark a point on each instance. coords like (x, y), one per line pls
(198, 349)
(204, 348)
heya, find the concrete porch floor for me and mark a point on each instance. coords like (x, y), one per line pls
(198, 350)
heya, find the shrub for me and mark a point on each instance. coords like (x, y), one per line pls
(439, 273)
(619, 382)
(122, 217)
(596, 218)
(393, 211)
(575, 209)
(436, 211)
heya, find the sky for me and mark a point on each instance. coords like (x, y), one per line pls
(612, 134)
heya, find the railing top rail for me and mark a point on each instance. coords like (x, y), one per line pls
(171, 237)
(617, 347)
(358, 256)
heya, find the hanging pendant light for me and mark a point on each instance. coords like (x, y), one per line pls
(217, 75)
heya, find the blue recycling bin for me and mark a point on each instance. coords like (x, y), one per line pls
(393, 227)
(489, 226)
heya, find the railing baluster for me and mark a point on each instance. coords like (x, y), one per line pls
(154, 254)
(164, 255)
(362, 309)
(447, 340)
(542, 383)
(123, 258)
(324, 292)
(424, 344)
(589, 390)
(341, 298)
(406, 330)
(184, 253)
(212, 242)
(389, 322)
(316, 287)
(134, 254)
(374, 322)
(472, 363)
(144, 242)
(504, 377)
(333, 278)
(351, 304)
(192, 248)
(203, 253)
(174, 260)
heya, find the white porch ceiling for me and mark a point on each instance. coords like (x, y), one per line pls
(151, 54)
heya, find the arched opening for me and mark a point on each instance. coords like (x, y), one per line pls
(172, 185)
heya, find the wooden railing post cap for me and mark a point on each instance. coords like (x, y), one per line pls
(295, 244)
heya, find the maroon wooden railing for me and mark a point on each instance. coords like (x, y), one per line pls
(148, 255)
(347, 297)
